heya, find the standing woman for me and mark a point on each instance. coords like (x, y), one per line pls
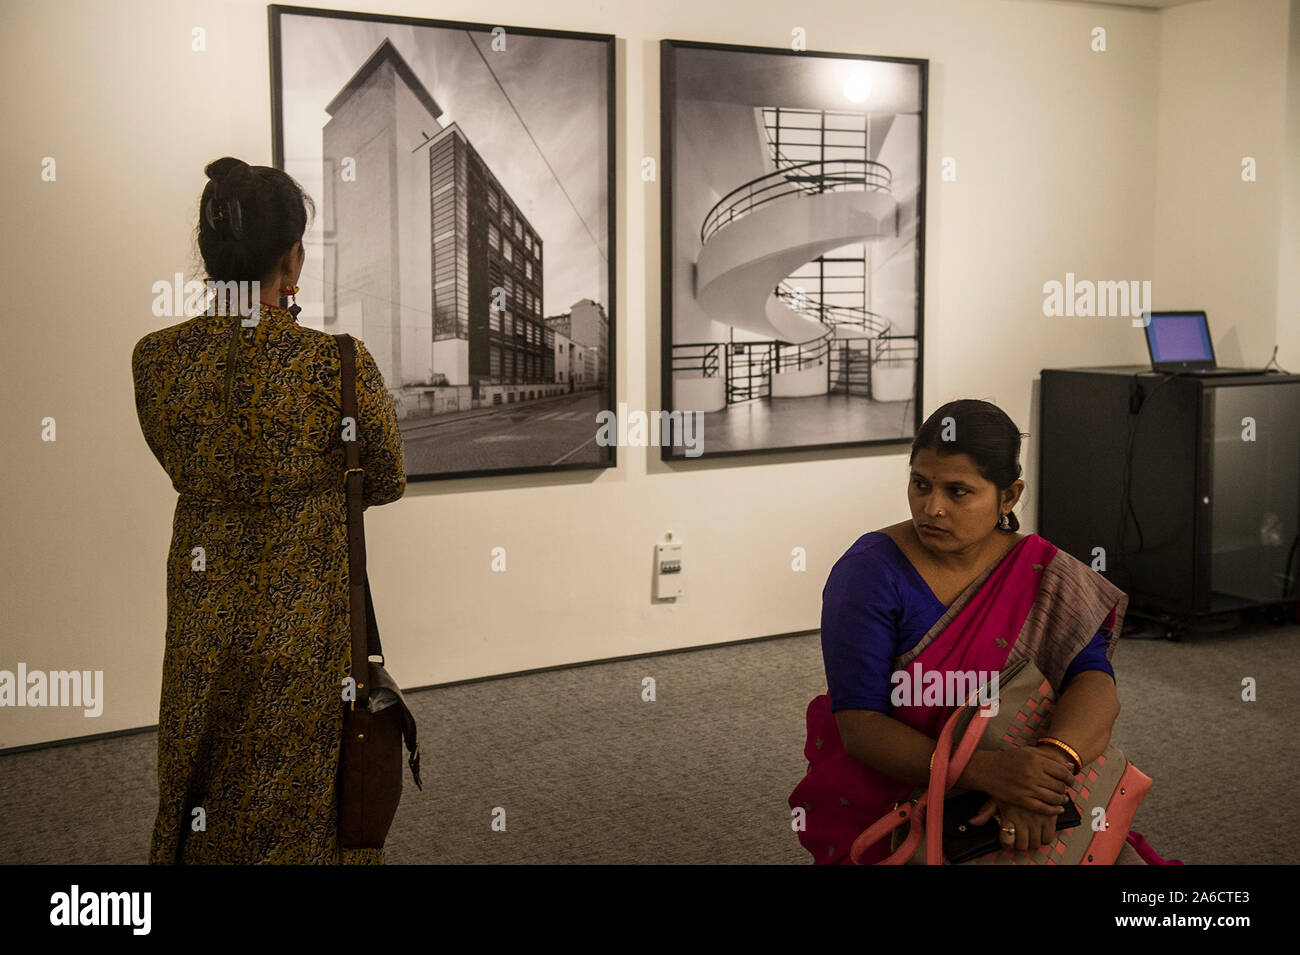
(245, 413)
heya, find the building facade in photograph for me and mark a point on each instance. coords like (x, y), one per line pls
(429, 259)
(585, 328)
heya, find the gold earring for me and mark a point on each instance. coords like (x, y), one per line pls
(290, 291)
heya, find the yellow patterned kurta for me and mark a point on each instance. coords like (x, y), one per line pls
(246, 422)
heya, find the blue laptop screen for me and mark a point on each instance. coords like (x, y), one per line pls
(1179, 338)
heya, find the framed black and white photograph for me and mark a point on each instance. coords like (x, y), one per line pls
(463, 175)
(793, 212)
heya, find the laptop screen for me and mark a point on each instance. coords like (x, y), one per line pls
(1179, 337)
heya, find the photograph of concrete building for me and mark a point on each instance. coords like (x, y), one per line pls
(793, 245)
(465, 228)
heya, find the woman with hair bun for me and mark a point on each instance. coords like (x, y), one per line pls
(955, 588)
(244, 411)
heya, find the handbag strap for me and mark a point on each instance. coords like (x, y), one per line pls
(948, 767)
(365, 630)
(922, 824)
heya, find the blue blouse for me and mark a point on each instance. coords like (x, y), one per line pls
(875, 607)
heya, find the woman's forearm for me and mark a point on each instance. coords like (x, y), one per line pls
(1085, 713)
(886, 745)
(895, 749)
(1082, 718)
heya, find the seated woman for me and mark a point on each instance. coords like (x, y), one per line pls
(955, 588)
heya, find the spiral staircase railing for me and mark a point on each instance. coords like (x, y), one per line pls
(803, 178)
(761, 359)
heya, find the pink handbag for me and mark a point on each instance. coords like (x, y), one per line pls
(1110, 782)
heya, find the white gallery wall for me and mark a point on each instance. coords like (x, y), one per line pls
(1222, 101)
(1288, 251)
(1115, 165)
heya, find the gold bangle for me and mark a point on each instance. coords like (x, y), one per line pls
(1066, 748)
(932, 755)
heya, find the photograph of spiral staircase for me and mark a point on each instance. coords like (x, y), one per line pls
(793, 189)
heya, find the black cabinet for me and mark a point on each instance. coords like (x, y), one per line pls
(1184, 491)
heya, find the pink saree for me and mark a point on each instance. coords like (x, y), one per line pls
(1037, 602)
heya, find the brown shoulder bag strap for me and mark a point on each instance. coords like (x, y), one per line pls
(365, 631)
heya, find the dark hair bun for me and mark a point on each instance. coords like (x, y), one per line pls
(219, 169)
(249, 217)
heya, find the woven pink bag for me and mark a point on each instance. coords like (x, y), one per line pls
(1110, 782)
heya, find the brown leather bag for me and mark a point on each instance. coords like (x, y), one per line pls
(370, 765)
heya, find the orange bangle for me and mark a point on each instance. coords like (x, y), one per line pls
(1066, 748)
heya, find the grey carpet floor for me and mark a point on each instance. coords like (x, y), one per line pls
(588, 772)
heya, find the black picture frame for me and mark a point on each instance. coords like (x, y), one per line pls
(518, 436)
(673, 358)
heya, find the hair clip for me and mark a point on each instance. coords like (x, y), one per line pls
(236, 218)
(213, 214)
(228, 211)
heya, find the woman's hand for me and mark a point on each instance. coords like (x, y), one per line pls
(1032, 829)
(1027, 778)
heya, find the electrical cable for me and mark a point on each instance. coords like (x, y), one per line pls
(1138, 401)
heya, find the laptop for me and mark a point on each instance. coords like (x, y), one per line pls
(1180, 342)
